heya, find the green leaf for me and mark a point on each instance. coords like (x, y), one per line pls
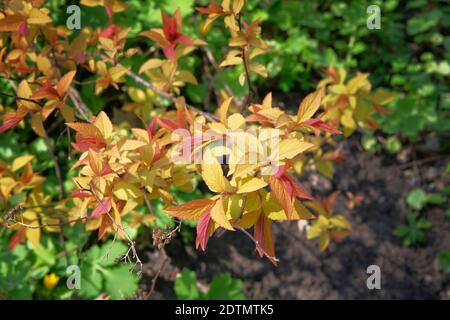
(119, 282)
(436, 198)
(185, 285)
(224, 287)
(444, 260)
(416, 198)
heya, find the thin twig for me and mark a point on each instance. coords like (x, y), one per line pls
(79, 104)
(246, 68)
(131, 243)
(422, 161)
(21, 98)
(274, 260)
(157, 274)
(51, 151)
(49, 225)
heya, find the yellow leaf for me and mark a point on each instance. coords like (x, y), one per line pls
(95, 163)
(126, 191)
(324, 241)
(66, 111)
(34, 234)
(132, 145)
(289, 148)
(301, 212)
(36, 16)
(223, 110)
(212, 174)
(181, 178)
(267, 102)
(44, 65)
(357, 82)
(37, 125)
(250, 184)
(64, 83)
(341, 222)
(103, 124)
(92, 3)
(116, 73)
(236, 121)
(382, 97)
(219, 216)
(20, 162)
(186, 76)
(309, 106)
(150, 64)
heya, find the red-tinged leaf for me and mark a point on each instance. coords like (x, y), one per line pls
(213, 8)
(169, 26)
(382, 111)
(169, 52)
(191, 210)
(331, 73)
(185, 40)
(204, 228)
(297, 189)
(263, 234)
(282, 195)
(8, 124)
(46, 92)
(23, 29)
(18, 237)
(106, 170)
(103, 227)
(102, 208)
(323, 126)
(79, 194)
(151, 128)
(328, 203)
(168, 124)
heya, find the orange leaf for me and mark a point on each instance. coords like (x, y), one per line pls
(64, 83)
(282, 195)
(191, 210)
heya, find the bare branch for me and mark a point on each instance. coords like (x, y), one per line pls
(274, 260)
(157, 274)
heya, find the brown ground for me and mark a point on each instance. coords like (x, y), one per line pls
(340, 272)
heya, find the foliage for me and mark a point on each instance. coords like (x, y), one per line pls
(222, 287)
(102, 109)
(413, 233)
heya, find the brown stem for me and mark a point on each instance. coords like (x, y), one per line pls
(157, 274)
(21, 98)
(256, 242)
(246, 68)
(51, 151)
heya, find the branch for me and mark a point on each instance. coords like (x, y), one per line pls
(21, 98)
(51, 151)
(79, 104)
(157, 274)
(210, 57)
(246, 68)
(274, 260)
(132, 248)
